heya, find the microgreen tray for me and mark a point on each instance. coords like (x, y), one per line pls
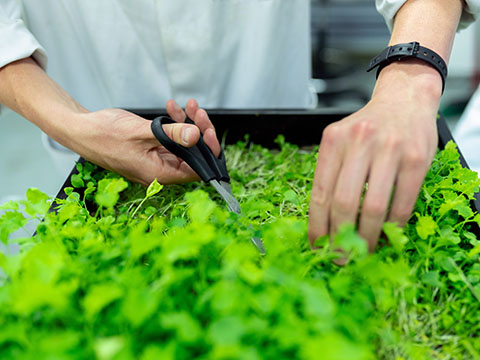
(120, 271)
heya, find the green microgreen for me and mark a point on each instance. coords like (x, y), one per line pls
(118, 271)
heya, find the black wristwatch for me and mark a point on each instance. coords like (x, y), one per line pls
(409, 50)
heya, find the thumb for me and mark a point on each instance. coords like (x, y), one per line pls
(183, 134)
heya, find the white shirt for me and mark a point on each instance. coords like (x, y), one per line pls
(388, 9)
(139, 54)
(467, 132)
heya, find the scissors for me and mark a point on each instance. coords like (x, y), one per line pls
(211, 169)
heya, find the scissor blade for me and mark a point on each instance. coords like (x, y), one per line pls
(223, 188)
(226, 186)
(259, 245)
(257, 242)
(226, 194)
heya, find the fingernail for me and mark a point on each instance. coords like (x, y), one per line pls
(186, 135)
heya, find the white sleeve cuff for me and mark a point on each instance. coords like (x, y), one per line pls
(471, 10)
(16, 43)
(388, 9)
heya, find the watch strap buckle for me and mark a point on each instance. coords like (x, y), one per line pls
(395, 52)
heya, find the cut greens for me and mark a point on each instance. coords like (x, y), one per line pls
(124, 272)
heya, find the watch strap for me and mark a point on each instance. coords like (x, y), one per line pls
(409, 50)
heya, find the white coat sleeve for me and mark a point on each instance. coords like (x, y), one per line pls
(16, 41)
(388, 9)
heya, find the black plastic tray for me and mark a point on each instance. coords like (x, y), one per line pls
(301, 127)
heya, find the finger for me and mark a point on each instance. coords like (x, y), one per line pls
(326, 173)
(191, 108)
(210, 138)
(183, 134)
(168, 169)
(349, 188)
(411, 175)
(175, 111)
(208, 131)
(202, 120)
(375, 204)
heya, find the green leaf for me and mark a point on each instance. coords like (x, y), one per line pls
(291, 196)
(139, 305)
(108, 191)
(107, 348)
(432, 278)
(154, 188)
(142, 242)
(200, 206)
(187, 328)
(474, 251)
(226, 331)
(477, 219)
(77, 181)
(9, 205)
(426, 226)
(10, 222)
(348, 240)
(395, 235)
(89, 190)
(448, 236)
(443, 260)
(37, 202)
(163, 351)
(99, 296)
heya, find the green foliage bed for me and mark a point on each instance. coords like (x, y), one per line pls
(121, 272)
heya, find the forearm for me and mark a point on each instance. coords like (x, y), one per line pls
(433, 24)
(28, 90)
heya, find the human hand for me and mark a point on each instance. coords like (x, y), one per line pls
(388, 144)
(123, 142)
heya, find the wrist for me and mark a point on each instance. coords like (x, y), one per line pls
(58, 120)
(412, 79)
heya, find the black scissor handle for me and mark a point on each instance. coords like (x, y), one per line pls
(199, 157)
